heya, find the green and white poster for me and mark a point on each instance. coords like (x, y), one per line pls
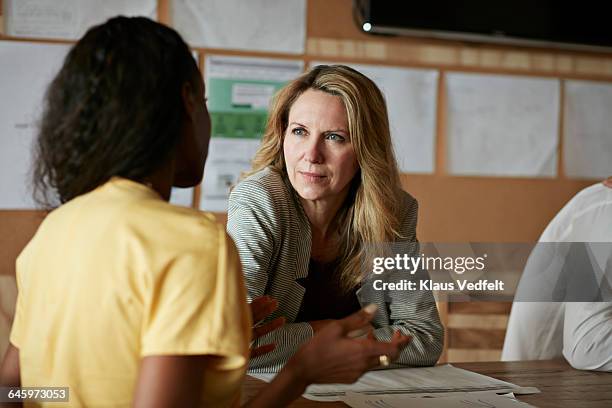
(239, 91)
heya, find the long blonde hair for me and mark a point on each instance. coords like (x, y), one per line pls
(371, 213)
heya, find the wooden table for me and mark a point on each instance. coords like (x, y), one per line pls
(560, 384)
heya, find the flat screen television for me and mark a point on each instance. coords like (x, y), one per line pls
(582, 24)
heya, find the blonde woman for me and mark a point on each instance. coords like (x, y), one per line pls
(325, 184)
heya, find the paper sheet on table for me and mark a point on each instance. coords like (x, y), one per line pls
(254, 25)
(438, 379)
(68, 19)
(502, 125)
(410, 95)
(468, 400)
(26, 70)
(587, 136)
(239, 91)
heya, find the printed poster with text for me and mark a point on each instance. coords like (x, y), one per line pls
(239, 91)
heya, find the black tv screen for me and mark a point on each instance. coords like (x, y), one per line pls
(537, 22)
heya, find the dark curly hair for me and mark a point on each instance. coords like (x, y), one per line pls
(114, 109)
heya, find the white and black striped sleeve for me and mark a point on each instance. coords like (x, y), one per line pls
(256, 228)
(412, 312)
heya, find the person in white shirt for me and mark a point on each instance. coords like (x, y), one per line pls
(579, 331)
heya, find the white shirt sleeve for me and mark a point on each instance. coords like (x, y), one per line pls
(536, 330)
(587, 335)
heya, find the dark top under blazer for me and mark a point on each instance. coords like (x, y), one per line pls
(273, 237)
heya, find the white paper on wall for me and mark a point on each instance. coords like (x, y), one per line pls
(502, 125)
(182, 196)
(254, 25)
(239, 90)
(228, 158)
(26, 70)
(587, 129)
(410, 95)
(67, 19)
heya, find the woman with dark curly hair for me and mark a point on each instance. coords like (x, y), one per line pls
(124, 298)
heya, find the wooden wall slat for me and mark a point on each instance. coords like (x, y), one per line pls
(443, 311)
(483, 209)
(16, 229)
(8, 296)
(477, 321)
(495, 308)
(468, 355)
(476, 339)
(163, 11)
(1, 18)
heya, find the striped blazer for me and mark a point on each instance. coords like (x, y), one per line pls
(273, 238)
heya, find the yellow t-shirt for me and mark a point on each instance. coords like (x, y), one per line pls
(119, 274)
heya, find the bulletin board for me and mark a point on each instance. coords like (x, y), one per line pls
(451, 208)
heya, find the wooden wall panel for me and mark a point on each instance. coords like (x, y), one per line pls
(16, 229)
(1, 18)
(8, 296)
(480, 308)
(476, 330)
(477, 321)
(471, 355)
(471, 338)
(479, 209)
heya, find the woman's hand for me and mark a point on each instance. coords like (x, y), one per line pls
(318, 325)
(331, 356)
(261, 308)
